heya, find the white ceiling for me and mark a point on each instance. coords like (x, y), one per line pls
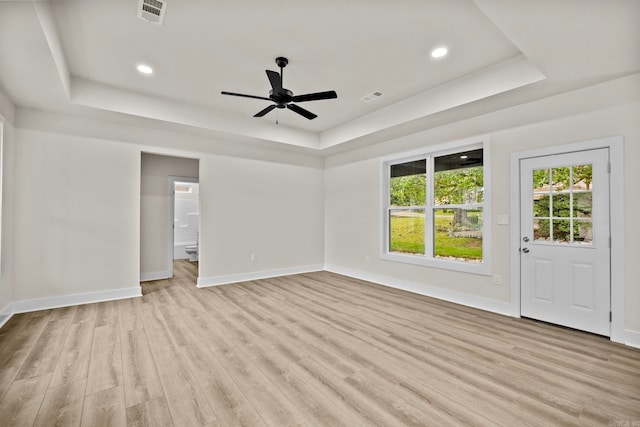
(80, 56)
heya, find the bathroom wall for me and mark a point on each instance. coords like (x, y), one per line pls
(186, 219)
(154, 211)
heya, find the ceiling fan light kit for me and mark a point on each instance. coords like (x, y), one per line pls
(284, 98)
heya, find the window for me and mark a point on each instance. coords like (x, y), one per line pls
(435, 204)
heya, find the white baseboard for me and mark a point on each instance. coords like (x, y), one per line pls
(155, 275)
(627, 337)
(430, 291)
(37, 304)
(204, 282)
(5, 315)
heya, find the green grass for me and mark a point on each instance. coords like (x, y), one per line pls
(407, 236)
(458, 247)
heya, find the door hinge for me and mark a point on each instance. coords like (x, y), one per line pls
(609, 242)
(610, 316)
(609, 167)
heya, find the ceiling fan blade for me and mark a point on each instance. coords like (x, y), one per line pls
(265, 111)
(245, 96)
(305, 113)
(274, 79)
(315, 96)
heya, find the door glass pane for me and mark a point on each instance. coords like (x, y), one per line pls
(408, 184)
(561, 205)
(583, 177)
(541, 180)
(541, 230)
(582, 205)
(458, 234)
(583, 232)
(561, 178)
(582, 188)
(406, 231)
(541, 205)
(561, 230)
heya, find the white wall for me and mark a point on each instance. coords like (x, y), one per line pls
(7, 180)
(154, 210)
(352, 204)
(77, 215)
(272, 210)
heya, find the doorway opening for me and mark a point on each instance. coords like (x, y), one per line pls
(184, 219)
(159, 173)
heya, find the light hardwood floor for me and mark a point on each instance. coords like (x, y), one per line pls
(314, 349)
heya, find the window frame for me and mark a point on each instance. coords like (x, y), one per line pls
(429, 153)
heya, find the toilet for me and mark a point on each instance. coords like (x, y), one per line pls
(192, 251)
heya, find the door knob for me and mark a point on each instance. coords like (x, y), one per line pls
(525, 239)
(525, 250)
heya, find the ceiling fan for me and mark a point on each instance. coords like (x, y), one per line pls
(284, 98)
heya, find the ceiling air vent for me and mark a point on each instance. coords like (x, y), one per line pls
(373, 95)
(152, 10)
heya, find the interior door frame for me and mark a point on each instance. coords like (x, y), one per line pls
(615, 144)
(172, 214)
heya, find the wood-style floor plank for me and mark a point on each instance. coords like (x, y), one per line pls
(305, 350)
(16, 346)
(104, 408)
(23, 399)
(141, 380)
(105, 366)
(73, 363)
(151, 413)
(45, 352)
(62, 405)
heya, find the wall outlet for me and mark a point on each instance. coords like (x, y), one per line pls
(253, 257)
(497, 279)
(503, 219)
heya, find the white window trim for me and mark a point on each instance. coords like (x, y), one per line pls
(427, 260)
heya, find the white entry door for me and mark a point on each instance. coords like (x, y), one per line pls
(565, 240)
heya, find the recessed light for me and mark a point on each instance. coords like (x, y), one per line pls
(464, 157)
(145, 69)
(439, 52)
